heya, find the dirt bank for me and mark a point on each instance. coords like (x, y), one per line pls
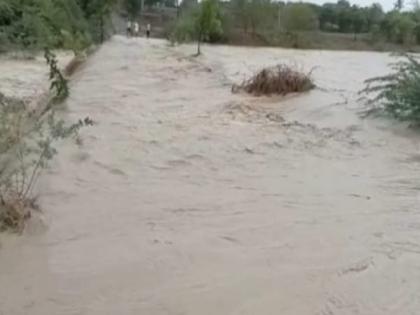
(187, 199)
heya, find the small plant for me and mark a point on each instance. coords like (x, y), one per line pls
(280, 79)
(59, 85)
(397, 94)
(24, 153)
(27, 145)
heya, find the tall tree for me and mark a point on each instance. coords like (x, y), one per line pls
(299, 17)
(241, 12)
(328, 16)
(375, 15)
(133, 7)
(207, 21)
(98, 12)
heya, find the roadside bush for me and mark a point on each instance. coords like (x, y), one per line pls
(281, 79)
(27, 145)
(397, 94)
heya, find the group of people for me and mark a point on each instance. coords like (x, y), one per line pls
(133, 29)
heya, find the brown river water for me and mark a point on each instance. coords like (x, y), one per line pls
(186, 199)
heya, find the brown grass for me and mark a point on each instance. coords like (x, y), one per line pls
(14, 214)
(281, 79)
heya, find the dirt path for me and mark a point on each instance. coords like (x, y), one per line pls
(186, 199)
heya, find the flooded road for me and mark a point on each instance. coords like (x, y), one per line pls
(27, 78)
(187, 199)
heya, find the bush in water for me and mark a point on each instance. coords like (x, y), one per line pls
(397, 94)
(280, 79)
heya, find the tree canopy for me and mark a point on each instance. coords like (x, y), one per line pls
(71, 24)
(199, 22)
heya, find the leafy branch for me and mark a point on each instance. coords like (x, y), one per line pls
(398, 93)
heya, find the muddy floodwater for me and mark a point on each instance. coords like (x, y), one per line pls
(186, 199)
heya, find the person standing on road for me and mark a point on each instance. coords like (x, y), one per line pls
(128, 28)
(136, 29)
(148, 29)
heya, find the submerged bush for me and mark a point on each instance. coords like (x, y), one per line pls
(397, 94)
(281, 79)
(27, 145)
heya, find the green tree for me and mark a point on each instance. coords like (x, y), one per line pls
(254, 15)
(299, 17)
(358, 20)
(207, 21)
(70, 24)
(344, 18)
(375, 15)
(328, 17)
(399, 27)
(97, 13)
(262, 14)
(184, 28)
(240, 10)
(133, 7)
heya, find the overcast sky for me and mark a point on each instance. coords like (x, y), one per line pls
(386, 4)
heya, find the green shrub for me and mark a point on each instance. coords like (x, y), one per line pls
(27, 145)
(397, 94)
(202, 22)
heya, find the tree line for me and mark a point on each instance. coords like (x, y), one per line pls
(69, 24)
(261, 18)
(75, 24)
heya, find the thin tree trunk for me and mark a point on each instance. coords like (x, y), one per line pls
(199, 44)
(101, 21)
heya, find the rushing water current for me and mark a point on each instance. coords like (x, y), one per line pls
(186, 199)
